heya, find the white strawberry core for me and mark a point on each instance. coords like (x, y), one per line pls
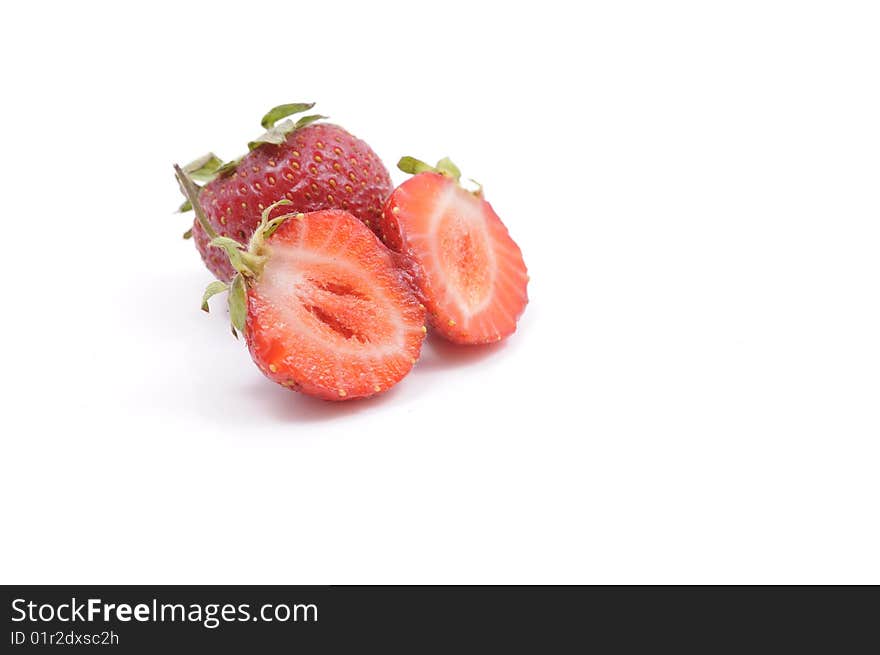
(462, 247)
(324, 298)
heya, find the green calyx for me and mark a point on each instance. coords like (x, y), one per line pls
(204, 168)
(209, 167)
(444, 167)
(212, 290)
(276, 133)
(247, 260)
(283, 111)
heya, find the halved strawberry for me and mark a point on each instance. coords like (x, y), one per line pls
(324, 308)
(471, 275)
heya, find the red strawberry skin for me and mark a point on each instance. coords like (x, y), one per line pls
(469, 272)
(331, 314)
(320, 166)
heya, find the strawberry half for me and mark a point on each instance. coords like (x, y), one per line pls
(314, 165)
(322, 303)
(471, 274)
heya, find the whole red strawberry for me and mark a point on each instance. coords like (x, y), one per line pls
(313, 165)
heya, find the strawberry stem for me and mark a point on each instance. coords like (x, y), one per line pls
(248, 262)
(191, 191)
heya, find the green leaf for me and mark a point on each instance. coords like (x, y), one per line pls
(228, 167)
(188, 234)
(283, 111)
(275, 223)
(264, 217)
(185, 207)
(212, 290)
(447, 168)
(237, 303)
(307, 120)
(414, 166)
(255, 258)
(204, 169)
(233, 250)
(275, 135)
(226, 243)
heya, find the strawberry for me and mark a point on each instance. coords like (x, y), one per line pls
(313, 165)
(470, 273)
(322, 304)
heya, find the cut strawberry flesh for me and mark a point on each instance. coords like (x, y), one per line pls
(472, 275)
(331, 315)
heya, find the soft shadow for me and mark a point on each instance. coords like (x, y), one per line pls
(439, 354)
(167, 309)
(294, 407)
(167, 305)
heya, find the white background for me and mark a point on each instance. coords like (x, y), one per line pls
(692, 394)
